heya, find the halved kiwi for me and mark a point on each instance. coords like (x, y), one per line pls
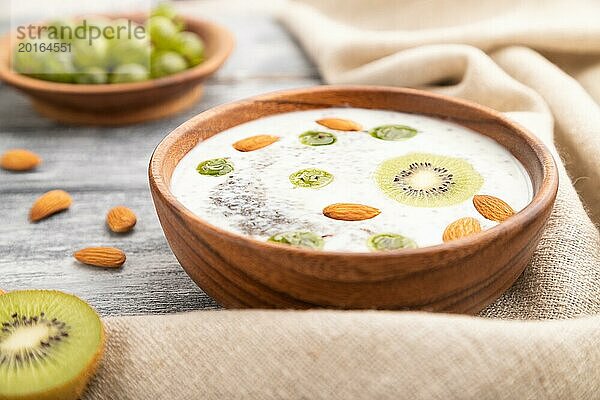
(428, 180)
(50, 345)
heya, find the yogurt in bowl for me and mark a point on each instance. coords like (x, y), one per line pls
(355, 197)
(348, 179)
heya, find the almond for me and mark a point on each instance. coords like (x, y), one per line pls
(108, 257)
(460, 228)
(350, 212)
(19, 160)
(254, 142)
(49, 203)
(339, 124)
(120, 219)
(492, 208)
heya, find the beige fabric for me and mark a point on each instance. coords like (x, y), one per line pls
(387, 355)
(347, 355)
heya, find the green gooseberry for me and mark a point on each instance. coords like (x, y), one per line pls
(167, 63)
(29, 63)
(92, 76)
(168, 11)
(87, 54)
(390, 241)
(298, 239)
(215, 167)
(129, 73)
(59, 68)
(311, 178)
(62, 30)
(163, 32)
(190, 46)
(129, 49)
(317, 138)
(393, 132)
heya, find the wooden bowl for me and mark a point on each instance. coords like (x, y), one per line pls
(123, 103)
(461, 276)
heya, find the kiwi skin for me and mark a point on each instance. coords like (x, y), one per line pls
(75, 388)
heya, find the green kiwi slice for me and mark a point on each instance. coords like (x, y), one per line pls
(390, 241)
(298, 239)
(393, 132)
(215, 167)
(317, 138)
(428, 180)
(50, 345)
(311, 178)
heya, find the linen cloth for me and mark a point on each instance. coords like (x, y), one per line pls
(488, 52)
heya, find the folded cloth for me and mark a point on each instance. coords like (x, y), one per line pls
(347, 355)
(481, 51)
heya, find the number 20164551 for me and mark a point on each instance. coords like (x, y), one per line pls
(44, 47)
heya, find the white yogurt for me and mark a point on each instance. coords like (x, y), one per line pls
(258, 200)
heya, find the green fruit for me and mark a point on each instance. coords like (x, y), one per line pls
(215, 167)
(163, 32)
(129, 50)
(92, 76)
(86, 55)
(390, 241)
(166, 10)
(316, 138)
(167, 63)
(129, 73)
(298, 239)
(50, 345)
(311, 178)
(190, 46)
(428, 180)
(62, 29)
(29, 63)
(393, 132)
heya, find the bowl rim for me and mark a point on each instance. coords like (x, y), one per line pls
(544, 197)
(207, 67)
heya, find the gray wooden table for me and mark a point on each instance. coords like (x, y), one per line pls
(103, 167)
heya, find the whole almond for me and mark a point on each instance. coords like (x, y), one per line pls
(254, 142)
(460, 228)
(493, 208)
(108, 257)
(19, 160)
(49, 203)
(120, 219)
(339, 124)
(350, 212)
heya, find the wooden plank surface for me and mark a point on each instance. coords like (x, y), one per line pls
(103, 167)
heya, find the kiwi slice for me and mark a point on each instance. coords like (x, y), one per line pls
(390, 241)
(50, 345)
(215, 167)
(298, 239)
(428, 180)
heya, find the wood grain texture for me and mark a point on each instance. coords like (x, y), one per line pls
(462, 276)
(104, 167)
(123, 103)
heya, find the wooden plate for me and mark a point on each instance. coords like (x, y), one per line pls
(461, 276)
(123, 103)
